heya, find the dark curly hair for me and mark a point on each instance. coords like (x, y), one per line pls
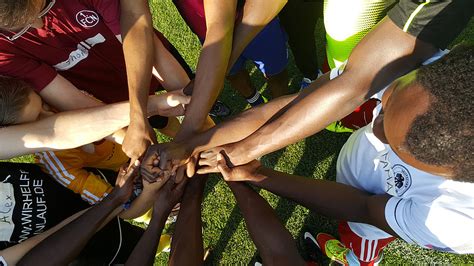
(443, 136)
(16, 14)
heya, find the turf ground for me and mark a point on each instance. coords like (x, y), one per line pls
(315, 157)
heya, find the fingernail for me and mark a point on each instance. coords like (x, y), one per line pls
(137, 163)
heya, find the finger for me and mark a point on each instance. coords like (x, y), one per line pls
(132, 163)
(179, 175)
(207, 170)
(222, 166)
(208, 154)
(180, 186)
(191, 166)
(208, 162)
(163, 160)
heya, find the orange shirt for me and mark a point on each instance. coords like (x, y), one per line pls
(67, 168)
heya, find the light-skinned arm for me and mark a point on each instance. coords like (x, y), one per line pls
(212, 64)
(72, 129)
(136, 24)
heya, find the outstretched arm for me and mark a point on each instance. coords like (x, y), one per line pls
(212, 64)
(138, 47)
(346, 203)
(383, 55)
(58, 249)
(274, 243)
(72, 129)
(144, 252)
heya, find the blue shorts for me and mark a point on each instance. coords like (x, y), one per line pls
(267, 50)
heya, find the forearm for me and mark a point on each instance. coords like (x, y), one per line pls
(346, 203)
(144, 252)
(66, 130)
(239, 127)
(140, 205)
(274, 243)
(58, 249)
(256, 15)
(363, 76)
(207, 84)
(13, 254)
(167, 69)
(137, 35)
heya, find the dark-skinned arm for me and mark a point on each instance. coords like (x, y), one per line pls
(138, 48)
(63, 246)
(144, 252)
(273, 241)
(328, 198)
(383, 55)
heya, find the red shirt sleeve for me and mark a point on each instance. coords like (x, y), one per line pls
(38, 74)
(109, 10)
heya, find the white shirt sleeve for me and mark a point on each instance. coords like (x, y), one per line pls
(3, 262)
(433, 227)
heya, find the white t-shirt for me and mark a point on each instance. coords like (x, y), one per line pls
(425, 209)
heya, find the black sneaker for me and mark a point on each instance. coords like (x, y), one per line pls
(219, 109)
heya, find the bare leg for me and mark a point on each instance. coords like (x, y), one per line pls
(274, 243)
(187, 247)
(278, 84)
(240, 81)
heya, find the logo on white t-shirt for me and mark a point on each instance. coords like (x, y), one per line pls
(401, 179)
(87, 18)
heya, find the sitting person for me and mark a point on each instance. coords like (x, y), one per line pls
(33, 206)
(21, 104)
(65, 48)
(408, 174)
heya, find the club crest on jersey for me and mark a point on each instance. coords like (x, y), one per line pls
(399, 180)
(87, 18)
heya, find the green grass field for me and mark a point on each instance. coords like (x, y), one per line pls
(224, 229)
(315, 157)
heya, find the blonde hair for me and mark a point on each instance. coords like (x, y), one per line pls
(16, 14)
(14, 96)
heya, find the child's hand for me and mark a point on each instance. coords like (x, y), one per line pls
(246, 172)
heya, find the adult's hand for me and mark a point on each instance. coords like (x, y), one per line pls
(124, 182)
(139, 137)
(246, 172)
(169, 195)
(208, 159)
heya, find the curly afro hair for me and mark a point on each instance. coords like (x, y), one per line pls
(443, 136)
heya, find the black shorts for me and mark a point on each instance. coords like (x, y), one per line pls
(437, 22)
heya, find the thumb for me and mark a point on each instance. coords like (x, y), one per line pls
(222, 166)
(191, 167)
